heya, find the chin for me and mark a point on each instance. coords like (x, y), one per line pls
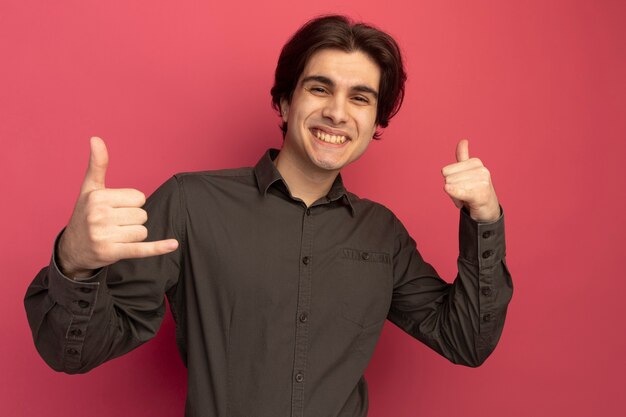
(328, 165)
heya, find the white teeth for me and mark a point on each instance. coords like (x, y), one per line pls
(330, 138)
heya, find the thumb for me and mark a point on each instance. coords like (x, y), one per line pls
(462, 150)
(98, 162)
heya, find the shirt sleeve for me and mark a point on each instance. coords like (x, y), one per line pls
(79, 324)
(462, 321)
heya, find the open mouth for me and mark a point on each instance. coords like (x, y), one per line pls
(328, 137)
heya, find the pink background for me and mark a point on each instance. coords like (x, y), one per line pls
(537, 86)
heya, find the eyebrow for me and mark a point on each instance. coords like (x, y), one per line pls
(330, 83)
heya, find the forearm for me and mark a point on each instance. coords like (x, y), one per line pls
(461, 321)
(76, 325)
(480, 294)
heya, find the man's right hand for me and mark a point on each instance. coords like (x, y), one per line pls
(106, 225)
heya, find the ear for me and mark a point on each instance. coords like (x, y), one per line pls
(284, 109)
(374, 131)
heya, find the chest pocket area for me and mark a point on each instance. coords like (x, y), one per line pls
(366, 283)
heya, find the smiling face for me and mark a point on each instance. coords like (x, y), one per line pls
(331, 118)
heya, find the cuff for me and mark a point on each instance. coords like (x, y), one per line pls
(481, 243)
(77, 295)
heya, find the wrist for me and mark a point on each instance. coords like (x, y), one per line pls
(65, 262)
(486, 215)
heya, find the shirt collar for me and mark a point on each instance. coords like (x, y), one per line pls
(267, 175)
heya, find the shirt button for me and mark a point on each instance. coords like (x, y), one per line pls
(76, 332)
(304, 317)
(486, 291)
(487, 234)
(306, 260)
(299, 377)
(83, 304)
(487, 254)
(84, 290)
(308, 212)
(71, 351)
(487, 317)
(365, 256)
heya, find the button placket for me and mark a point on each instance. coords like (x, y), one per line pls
(490, 250)
(84, 298)
(77, 330)
(73, 354)
(301, 319)
(83, 301)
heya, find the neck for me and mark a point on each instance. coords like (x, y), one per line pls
(308, 185)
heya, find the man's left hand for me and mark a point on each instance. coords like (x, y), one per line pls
(468, 183)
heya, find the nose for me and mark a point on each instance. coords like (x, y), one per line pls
(335, 110)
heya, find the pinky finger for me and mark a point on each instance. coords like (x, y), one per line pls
(455, 194)
(146, 249)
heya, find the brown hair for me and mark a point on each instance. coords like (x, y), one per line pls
(338, 32)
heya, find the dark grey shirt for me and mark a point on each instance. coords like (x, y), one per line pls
(278, 306)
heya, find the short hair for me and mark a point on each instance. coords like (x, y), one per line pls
(339, 32)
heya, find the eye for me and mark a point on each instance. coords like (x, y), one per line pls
(361, 99)
(317, 90)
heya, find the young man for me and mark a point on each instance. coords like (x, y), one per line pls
(279, 279)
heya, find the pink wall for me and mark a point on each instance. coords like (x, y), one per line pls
(537, 86)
